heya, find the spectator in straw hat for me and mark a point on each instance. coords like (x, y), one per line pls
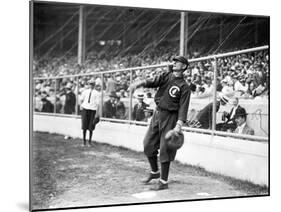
(138, 110)
(242, 127)
(90, 110)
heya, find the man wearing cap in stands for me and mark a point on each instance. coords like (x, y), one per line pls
(90, 109)
(138, 110)
(70, 100)
(242, 127)
(172, 102)
(109, 108)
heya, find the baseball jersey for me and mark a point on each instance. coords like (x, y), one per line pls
(173, 93)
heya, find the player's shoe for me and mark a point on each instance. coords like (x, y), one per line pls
(151, 177)
(160, 186)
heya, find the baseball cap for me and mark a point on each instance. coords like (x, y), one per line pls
(181, 59)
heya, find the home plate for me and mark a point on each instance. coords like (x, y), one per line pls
(145, 195)
(203, 194)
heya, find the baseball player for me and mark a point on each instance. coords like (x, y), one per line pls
(172, 100)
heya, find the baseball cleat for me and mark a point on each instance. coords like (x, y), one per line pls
(151, 177)
(160, 186)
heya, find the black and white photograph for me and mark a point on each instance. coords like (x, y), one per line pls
(138, 105)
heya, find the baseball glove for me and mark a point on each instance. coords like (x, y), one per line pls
(174, 139)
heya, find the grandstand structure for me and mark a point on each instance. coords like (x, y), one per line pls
(73, 43)
(117, 31)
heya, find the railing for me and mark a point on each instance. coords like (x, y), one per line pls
(103, 74)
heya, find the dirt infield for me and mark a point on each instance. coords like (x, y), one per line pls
(66, 174)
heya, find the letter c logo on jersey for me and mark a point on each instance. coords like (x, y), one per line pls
(173, 91)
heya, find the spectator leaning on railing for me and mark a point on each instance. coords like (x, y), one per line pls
(204, 117)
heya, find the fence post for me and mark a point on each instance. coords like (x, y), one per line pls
(77, 96)
(214, 112)
(130, 96)
(102, 92)
(55, 102)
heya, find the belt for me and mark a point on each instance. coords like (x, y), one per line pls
(165, 110)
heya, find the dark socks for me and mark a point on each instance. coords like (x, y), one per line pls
(153, 163)
(84, 136)
(165, 170)
(90, 137)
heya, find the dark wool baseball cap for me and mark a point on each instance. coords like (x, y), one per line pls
(181, 59)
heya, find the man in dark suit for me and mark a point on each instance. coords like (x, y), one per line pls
(138, 110)
(109, 109)
(242, 127)
(228, 118)
(47, 106)
(120, 109)
(70, 101)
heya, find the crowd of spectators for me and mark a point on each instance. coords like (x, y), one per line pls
(243, 76)
(61, 65)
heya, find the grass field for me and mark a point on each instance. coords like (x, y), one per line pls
(66, 174)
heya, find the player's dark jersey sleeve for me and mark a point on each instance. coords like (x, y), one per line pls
(156, 81)
(184, 103)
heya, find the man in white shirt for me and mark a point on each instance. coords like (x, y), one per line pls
(242, 127)
(91, 99)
